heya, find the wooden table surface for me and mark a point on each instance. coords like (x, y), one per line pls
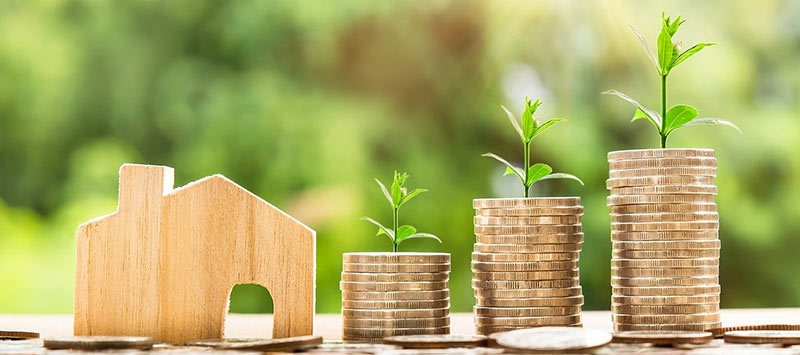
(330, 325)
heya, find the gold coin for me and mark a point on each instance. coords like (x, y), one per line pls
(689, 171)
(494, 285)
(693, 272)
(718, 332)
(530, 302)
(525, 275)
(527, 321)
(783, 337)
(664, 217)
(662, 208)
(396, 295)
(525, 220)
(663, 226)
(666, 245)
(527, 248)
(530, 211)
(664, 300)
(437, 341)
(529, 293)
(529, 257)
(525, 230)
(615, 200)
(396, 258)
(663, 263)
(665, 319)
(380, 332)
(665, 309)
(666, 291)
(525, 311)
(660, 153)
(396, 322)
(497, 330)
(530, 239)
(524, 266)
(526, 202)
(395, 277)
(662, 163)
(660, 190)
(401, 268)
(396, 304)
(663, 337)
(98, 343)
(395, 313)
(17, 335)
(664, 281)
(677, 180)
(665, 235)
(665, 254)
(264, 345)
(670, 327)
(393, 286)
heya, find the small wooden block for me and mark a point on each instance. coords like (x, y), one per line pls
(164, 264)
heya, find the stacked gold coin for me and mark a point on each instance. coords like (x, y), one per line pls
(389, 294)
(525, 263)
(665, 235)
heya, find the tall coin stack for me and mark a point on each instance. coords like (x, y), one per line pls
(525, 263)
(665, 234)
(388, 294)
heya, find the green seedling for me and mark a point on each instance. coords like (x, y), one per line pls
(669, 56)
(529, 129)
(398, 196)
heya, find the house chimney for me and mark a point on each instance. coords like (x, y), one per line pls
(141, 187)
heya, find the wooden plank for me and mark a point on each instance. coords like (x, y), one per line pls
(165, 263)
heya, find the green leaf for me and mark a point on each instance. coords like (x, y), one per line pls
(528, 123)
(639, 114)
(711, 121)
(411, 195)
(673, 27)
(536, 172)
(385, 192)
(562, 176)
(547, 125)
(664, 50)
(679, 115)
(403, 232)
(514, 122)
(652, 115)
(381, 229)
(517, 171)
(647, 50)
(419, 235)
(397, 188)
(689, 52)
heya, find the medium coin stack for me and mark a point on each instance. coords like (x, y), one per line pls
(665, 235)
(390, 294)
(525, 263)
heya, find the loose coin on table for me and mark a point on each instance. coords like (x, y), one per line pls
(17, 335)
(784, 337)
(663, 337)
(554, 339)
(281, 344)
(436, 341)
(98, 343)
(349, 348)
(718, 332)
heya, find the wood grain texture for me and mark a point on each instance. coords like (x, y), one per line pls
(165, 263)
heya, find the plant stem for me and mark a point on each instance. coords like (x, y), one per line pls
(525, 167)
(663, 110)
(395, 217)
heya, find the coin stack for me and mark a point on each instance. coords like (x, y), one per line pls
(525, 263)
(665, 235)
(389, 294)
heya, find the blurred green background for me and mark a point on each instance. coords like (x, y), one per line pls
(305, 102)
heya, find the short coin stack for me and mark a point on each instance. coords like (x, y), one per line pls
(525, 263)
(665, 235)
(389, 294)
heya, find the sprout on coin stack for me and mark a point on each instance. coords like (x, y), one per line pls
(525, 262)
(664, 221)
(394, 293)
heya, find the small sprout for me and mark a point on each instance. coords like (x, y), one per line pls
(397, 196)
(669, 56)
(529, 129)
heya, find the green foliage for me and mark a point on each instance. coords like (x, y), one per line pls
(529, 129)
(669, 56)
(399, 195)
